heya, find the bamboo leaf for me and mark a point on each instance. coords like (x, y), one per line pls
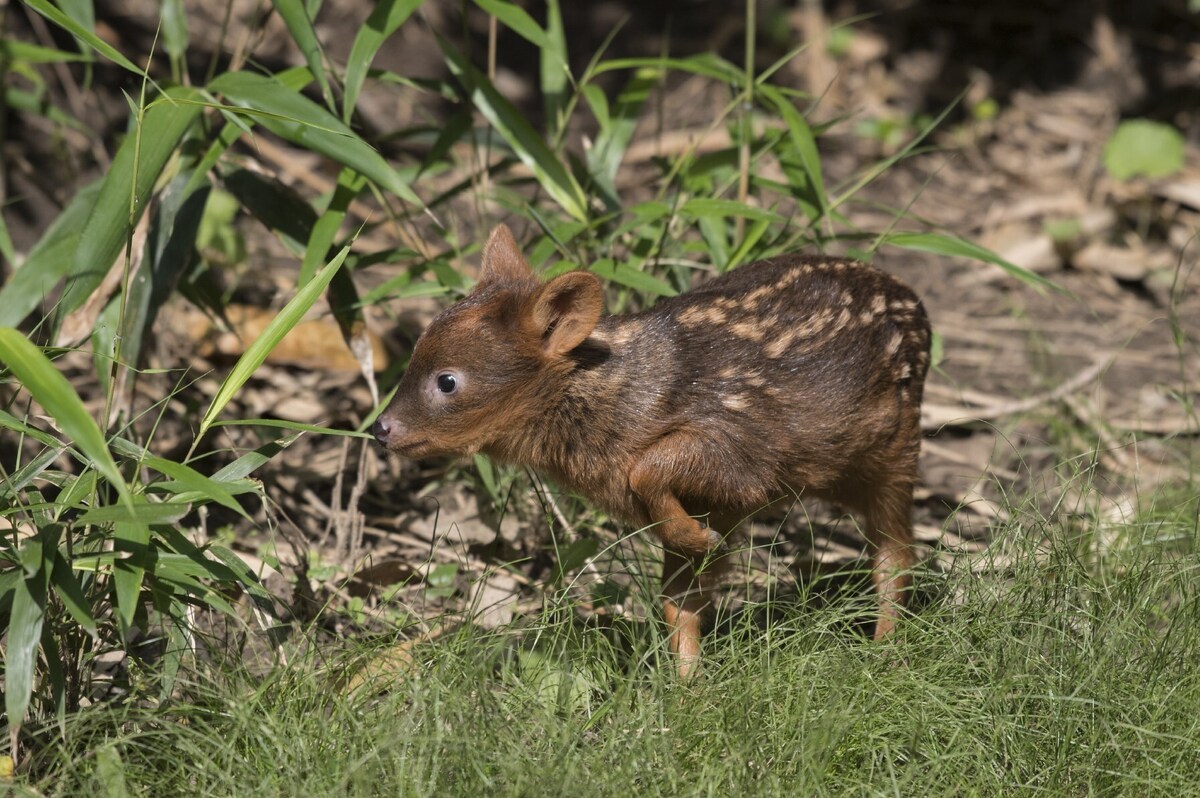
(174, 28)
(84, 34)
(555, 71)
(803, 140)
(628, 276)
(517, 20)
(143, 513)
(50, 389)
(185, 476)
(290, 115)
(49, 260)
(704, 207)
(126, 190)
(36, 54)
(295, 15)
(385, 19)
(257, 352)
(63, 580)
(25, 622)
(133, 537)
(550, 172)
(941, 244)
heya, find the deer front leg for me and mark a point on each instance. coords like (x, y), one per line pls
(686, 545)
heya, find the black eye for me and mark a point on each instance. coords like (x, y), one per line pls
(447, 383)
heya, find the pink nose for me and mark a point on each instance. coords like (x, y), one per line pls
(382, 429)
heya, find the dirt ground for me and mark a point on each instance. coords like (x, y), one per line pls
(1080, 395)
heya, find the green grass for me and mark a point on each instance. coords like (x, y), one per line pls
(1051, 677)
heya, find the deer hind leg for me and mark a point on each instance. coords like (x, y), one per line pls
(889, 533)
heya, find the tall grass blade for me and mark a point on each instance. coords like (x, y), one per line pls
(292, 116)
(25, 623)
(616, 130)
(257, 352)
(131, 536)
(804, 142)
(49, 260)
(325, 228)
(36, 54)
(50, 389)
(66, 585)
(126, 189)
(385, 19)
(626, 275)
(185, 476)
(174, 29)
(50, 12)
(550, 172)
(295, 15)
(518, 21)
(554, 69)
(942, 244)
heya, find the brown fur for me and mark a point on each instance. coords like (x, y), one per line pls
(799, 375)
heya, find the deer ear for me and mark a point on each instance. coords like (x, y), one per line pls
(502, 259)
(565, 311)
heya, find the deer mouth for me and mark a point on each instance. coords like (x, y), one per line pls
(410, 448)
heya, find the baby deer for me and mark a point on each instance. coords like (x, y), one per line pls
(799, 375)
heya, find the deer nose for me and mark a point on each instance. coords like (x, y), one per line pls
(382, 429)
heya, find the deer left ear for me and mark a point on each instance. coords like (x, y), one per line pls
(502, 259)
(565, 311)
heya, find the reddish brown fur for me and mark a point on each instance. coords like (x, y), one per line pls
(800, 375)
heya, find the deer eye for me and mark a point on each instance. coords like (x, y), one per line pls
(447, 383)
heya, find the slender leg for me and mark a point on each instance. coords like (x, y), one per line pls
(686, 544)
(889, 531)
(684, 604)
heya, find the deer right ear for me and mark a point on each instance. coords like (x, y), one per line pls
(502, 259)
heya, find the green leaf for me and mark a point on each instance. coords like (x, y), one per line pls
(257, 352)
(802, 139)
(25, 622)
(84, 34)
(50, 389)
(174, 28)
(250, 462)
(953, 246)
(517, 19)
(511, 124)
(186, 476)
(35, 54)
(9, 421)
(142, 513)
(74, 492)
(325, 228)
(292, 425)
(617, 125)
(628, 276)
(707, 65)
(63, 580)
(126, 189)
(132, 537)
(49, 260)
(386, 17)
(276, 205)
(295, 15)
(1143, 147)
(575, 554)
(721, 209)
(555, 71)
(16, 481)
(292, 116)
